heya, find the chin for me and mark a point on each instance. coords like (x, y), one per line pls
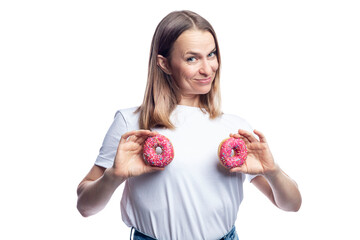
(204, 91)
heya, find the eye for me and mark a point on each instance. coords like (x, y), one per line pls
(191, 59)
(212, 54)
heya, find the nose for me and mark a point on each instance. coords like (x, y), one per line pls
(206, 68)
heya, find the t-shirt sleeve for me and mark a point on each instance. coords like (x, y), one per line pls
(250, 177)
(111, 141)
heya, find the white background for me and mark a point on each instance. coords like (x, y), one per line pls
(289, 67)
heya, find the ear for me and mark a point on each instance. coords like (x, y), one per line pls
(163, 63)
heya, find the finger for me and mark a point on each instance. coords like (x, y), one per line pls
(242, 169)
(141, 140)
(247, 135)
(140, 133)
(149, 169)
(234, 135)
(126, 135)
(239, 137)
(123, 138)
(246, 141)
(260, 135)
(157, 168)
(137, 133)
(142, 136)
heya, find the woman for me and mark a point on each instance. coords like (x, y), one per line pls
(194, 197)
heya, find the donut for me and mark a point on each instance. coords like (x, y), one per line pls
(227, 157)
(149, 151)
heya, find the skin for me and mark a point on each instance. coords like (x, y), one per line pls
(282, 191)
(96, 189)
(193, 64)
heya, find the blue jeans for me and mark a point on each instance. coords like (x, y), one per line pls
(232, 235)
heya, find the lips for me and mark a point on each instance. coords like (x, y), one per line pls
(204, 80)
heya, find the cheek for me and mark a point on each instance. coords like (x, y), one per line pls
(188, 72)
(215, 66)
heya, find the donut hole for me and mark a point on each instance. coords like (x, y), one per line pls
(158, 150)
(232, 152)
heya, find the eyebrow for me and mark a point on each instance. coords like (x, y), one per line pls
(196, 53)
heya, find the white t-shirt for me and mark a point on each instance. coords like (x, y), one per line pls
(194, 197)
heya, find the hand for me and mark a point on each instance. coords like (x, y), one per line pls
(129, 160)
(259, 159)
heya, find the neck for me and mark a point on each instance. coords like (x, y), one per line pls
(192, 101)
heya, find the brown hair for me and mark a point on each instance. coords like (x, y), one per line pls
(162, 92)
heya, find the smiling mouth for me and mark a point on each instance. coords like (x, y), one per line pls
(205, 80)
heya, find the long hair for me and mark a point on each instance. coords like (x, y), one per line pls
(162, 93)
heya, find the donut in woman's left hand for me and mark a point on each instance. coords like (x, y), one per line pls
(232, 152)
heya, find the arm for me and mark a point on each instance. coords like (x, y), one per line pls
(280, 189)
(271, 180)
(96, 189)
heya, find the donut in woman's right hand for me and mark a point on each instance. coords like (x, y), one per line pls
(153, 158)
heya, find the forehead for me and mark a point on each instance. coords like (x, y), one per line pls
(194, 41)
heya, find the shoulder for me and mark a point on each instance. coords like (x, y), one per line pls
(127, 112)
(129, 116)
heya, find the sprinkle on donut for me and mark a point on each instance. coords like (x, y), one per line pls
(232, 152)
(154, 159)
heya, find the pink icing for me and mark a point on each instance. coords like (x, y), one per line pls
(150, 155)
(240, 152)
